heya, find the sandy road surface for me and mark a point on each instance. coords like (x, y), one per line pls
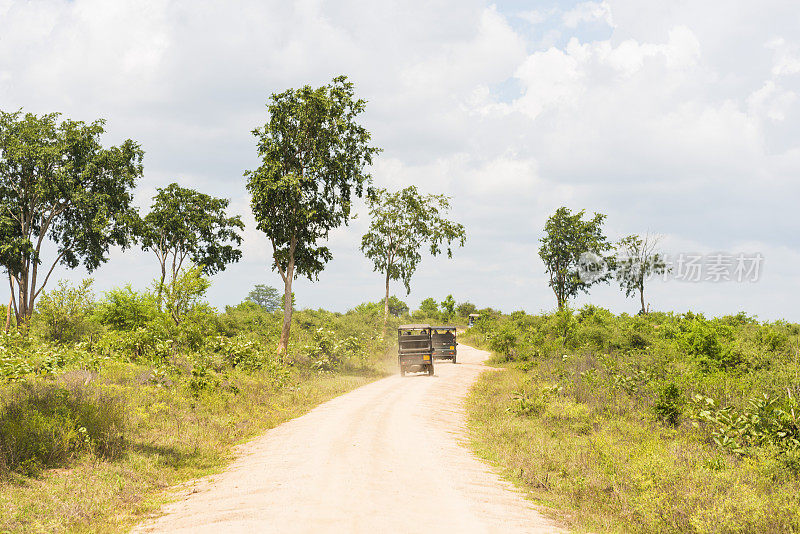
(383, 458)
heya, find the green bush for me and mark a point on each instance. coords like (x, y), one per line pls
(45, 425)
(151, 342)
(503, 340)
(249, 317)
(125, 309)
(706, 341)
(62, 315)
(239, 352)
(669, 405)
(185, 293)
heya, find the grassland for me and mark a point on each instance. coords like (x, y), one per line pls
(659, 423)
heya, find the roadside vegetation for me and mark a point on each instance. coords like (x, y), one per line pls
(106, 402)
(659, 422)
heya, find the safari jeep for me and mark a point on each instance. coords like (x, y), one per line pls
(414, 348)
(444, 343)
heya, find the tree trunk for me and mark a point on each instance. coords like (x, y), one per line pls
(8, 313)
(641, 298)
(287, 313)
(161, 285)
(386, 305)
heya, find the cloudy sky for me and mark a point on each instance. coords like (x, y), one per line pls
(677, 118)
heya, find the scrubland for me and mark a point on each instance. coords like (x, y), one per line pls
(650, 423)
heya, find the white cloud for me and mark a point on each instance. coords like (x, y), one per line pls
(535, 17)
(771, 101)
(786, 60)
(588, 12)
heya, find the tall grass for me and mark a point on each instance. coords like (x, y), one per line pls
(45, 425)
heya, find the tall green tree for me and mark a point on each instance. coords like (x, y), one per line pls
(59, 184)
(637, 261)
(265, 296)
(314, 156)
(448, 307)
(429, 308)
(402, 222)
(573, 251)
(464, 309)
(186, 224)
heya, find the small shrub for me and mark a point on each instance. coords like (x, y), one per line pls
(669, 406)
(527, 404)
(63, 313)
(503, 340)
(706, 341)
(202, 379)
(239, 352)
(773, 339)
(151, 342)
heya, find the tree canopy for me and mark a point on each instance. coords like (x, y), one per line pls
(637, 261)
(396, 306)
(58, 183)
(401, 223)
(448, 307)
(573, 252)
(313, 159)
(265, 296)
(464, 309)
(429, 308)
(186, 224)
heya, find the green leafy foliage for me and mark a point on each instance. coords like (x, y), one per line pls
(448, 307)
(503, 340)
(428, 309)
(397, 307)
(184, 224)
(669, 405)
(126, 309)
(401, 224)
(706, 341)
(568, 240)
(184, 295)
(465, 309)
(63, 313)
(314, 156)
(267, 297)
(58, 184)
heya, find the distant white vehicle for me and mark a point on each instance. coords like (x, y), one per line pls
(472, 318)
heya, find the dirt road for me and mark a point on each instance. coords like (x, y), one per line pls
(383, 458)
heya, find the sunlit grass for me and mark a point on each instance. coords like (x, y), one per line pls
(171, 437)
